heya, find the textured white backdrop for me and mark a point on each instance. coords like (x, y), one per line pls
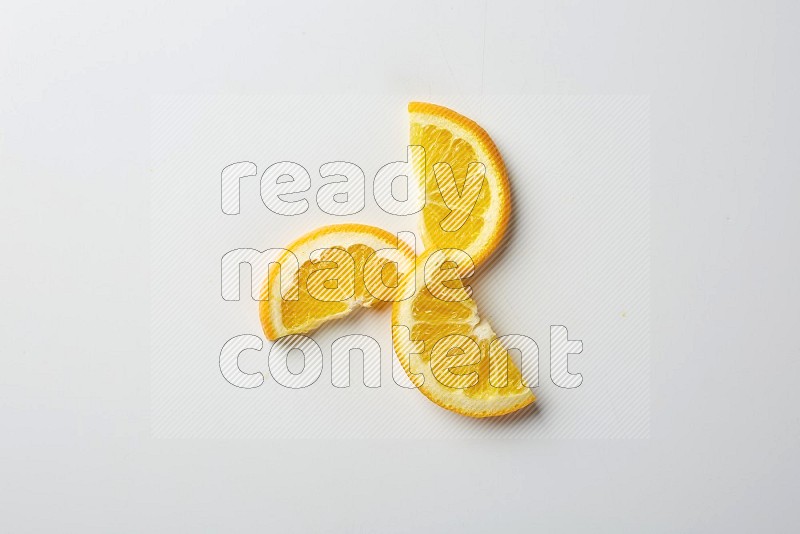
(576, 254)
(75, 129)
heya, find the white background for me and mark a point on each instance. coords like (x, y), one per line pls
(74, 148)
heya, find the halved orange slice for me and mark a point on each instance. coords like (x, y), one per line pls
(467, 192)
(338, 268)
(450, 353)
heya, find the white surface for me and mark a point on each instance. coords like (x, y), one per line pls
(77, 81)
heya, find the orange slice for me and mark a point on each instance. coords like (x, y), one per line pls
(468, 203)
(338, 268)
(448, 351)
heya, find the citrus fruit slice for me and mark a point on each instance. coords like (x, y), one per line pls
(450, 353)
(468, 203)
(328, 273)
